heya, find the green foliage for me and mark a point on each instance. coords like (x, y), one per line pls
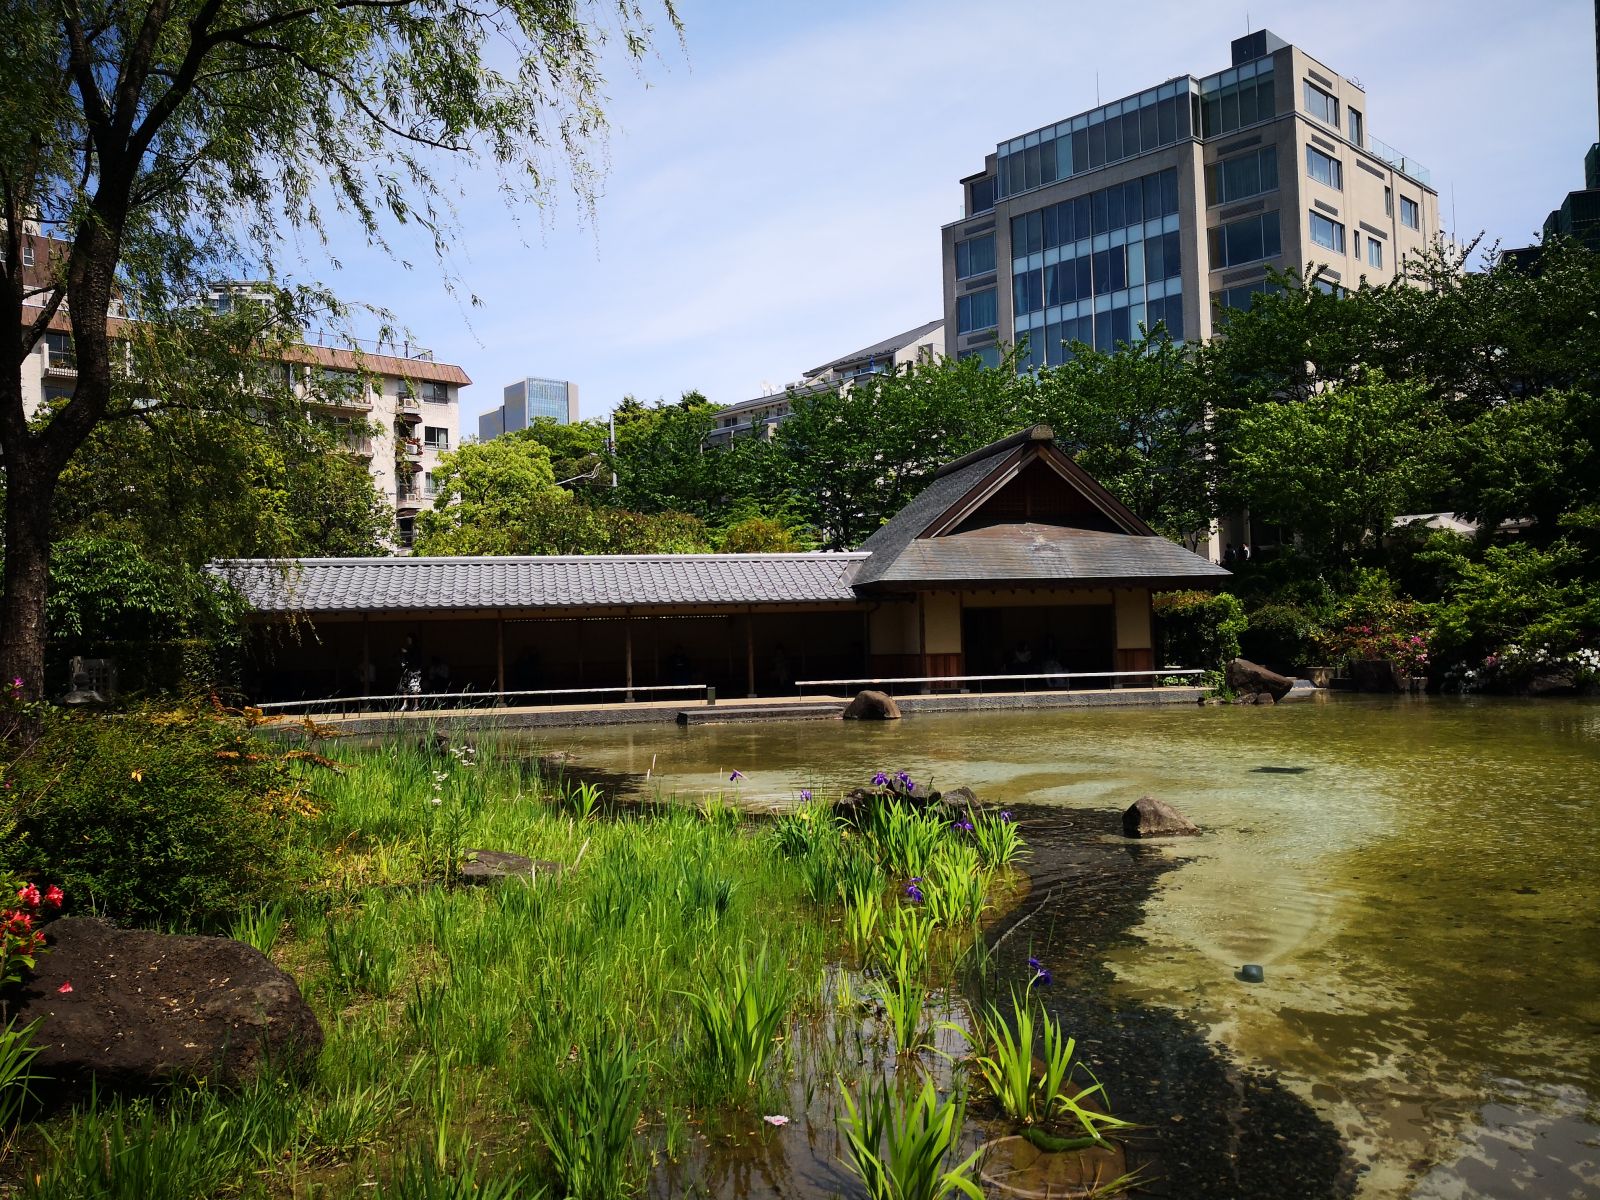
(17, 1052)
(997, 838)
(1198, 629)
(1283, 637)
(587, 1111)
(899, 1140)
(1517, 595)
(903, 1000)
(761, 535)
(740, 1013)
(665, 462)
(421, 1177)
(1373, 623)
(1030, 1093)
(158, 819)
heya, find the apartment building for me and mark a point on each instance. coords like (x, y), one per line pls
(763, 414)
(399, 407)
(1170, 205)
(525, 402)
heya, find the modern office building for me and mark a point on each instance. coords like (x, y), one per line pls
(763, 414)
(1169, 206)
(526, 401)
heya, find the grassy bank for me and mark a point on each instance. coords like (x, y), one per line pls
(559, 1036)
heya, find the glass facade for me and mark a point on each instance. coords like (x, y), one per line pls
(1096, 267)
(1242, 176)
(1109, 134)
(1324, 168)
(1243, 296)
(980, 195)
(975, 256)
(1238, 97)
(1249, 240)
(547, 398)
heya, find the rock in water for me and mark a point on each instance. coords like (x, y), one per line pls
(1148, 817)
(486, 866)
(872, 706)
(148, 1010)
(1245, 676)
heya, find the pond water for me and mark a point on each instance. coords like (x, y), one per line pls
(1417, 876)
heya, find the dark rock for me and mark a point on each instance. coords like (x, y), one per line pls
(556, 762)
(1377, 675)
(961, 797)
(871, 705)
(1553, 681)
(1245, 676)
(149, 1010)
(486, 866)
(1148, 817)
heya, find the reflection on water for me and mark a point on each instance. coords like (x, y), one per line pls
(1416, 876)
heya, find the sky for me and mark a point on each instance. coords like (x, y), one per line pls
(775, 185)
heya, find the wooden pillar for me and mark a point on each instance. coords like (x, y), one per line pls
(368, 675)
(627, 657)
(500, 656)
(750, 652)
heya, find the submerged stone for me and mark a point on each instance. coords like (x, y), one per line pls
(871, 705)
(1148, 817)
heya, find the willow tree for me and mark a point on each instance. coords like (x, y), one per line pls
(151, 146)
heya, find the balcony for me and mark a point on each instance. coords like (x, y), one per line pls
(408, 449)
(357, 401)
(1406, 166)
(408, 501)
(359, 446)
(408, 409)
(61, 364)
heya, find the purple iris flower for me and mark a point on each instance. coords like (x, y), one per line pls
(736, 776)
(1005, 817)
(880, 779)
(962, 826)
(1035, 964)
(1042, 978)
(914, 893)
(805, 795)
(903, 776)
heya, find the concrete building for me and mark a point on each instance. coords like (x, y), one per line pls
(764, 414)
(399, 408)
(526, 401)
(1170, 206)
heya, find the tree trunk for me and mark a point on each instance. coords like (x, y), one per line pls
(27, 576)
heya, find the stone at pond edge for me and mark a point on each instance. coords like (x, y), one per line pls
(959, 797)
(486, 866)
(1251, 678)
(1148, 817)
(872, 705)
(1014, 1166)
(149, 1010)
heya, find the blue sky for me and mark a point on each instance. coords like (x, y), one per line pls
(776, 185)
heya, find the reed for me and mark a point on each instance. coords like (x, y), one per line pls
(898, 1141)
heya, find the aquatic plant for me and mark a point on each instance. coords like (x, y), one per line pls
(420, 1176)
(904, 1001)
(583, 800)
(863, 911)
(898, 1142)
(957, 886)
(739, 1014)
(587, 1112)
(1033, 1095)
(997, 838)
(904, 946)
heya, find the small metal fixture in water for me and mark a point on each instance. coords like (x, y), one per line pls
(1251, 973)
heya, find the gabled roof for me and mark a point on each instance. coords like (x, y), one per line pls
(320, 585)
(938, 539)
(879, 349)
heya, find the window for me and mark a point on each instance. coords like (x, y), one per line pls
(1324, 168)
(1243, 296)
(980, 195)
(1388, 202)
(990, 355)
(1027, 291)
(1374, 252)
(27, 254)
(58, 349)
(1357, 128)
(1327, 233)
(975, 257)
(1241, 177)
(439, 393)
(427, 484)
(1249, 240)
(1410, 214)
(976, 311)
(1321, 105)
(435, 437)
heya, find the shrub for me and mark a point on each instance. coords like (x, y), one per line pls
(157, 819)
(1198, 629)
(1283, 636)
(1373, 623)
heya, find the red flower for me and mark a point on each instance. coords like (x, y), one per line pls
(29, 895)
(54, 896)
(65, 987)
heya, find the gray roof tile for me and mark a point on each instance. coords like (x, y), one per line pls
(361, 584)
(1047, 553)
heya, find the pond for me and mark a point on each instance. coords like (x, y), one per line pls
(1417, 876)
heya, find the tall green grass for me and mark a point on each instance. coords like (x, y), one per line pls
(899, 1142)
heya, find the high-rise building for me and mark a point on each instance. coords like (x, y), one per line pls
(1171, 204)
(526, 401)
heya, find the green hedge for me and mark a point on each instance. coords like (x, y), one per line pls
(1198, 629)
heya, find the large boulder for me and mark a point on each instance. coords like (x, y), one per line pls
(1248, 678)
(871, 705)
(1148, 817)
(131, 1011)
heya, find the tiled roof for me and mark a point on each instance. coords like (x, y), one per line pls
(1046, 553)
(390, 584)
(422, 370)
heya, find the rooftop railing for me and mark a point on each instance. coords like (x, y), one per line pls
(1406, 166)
